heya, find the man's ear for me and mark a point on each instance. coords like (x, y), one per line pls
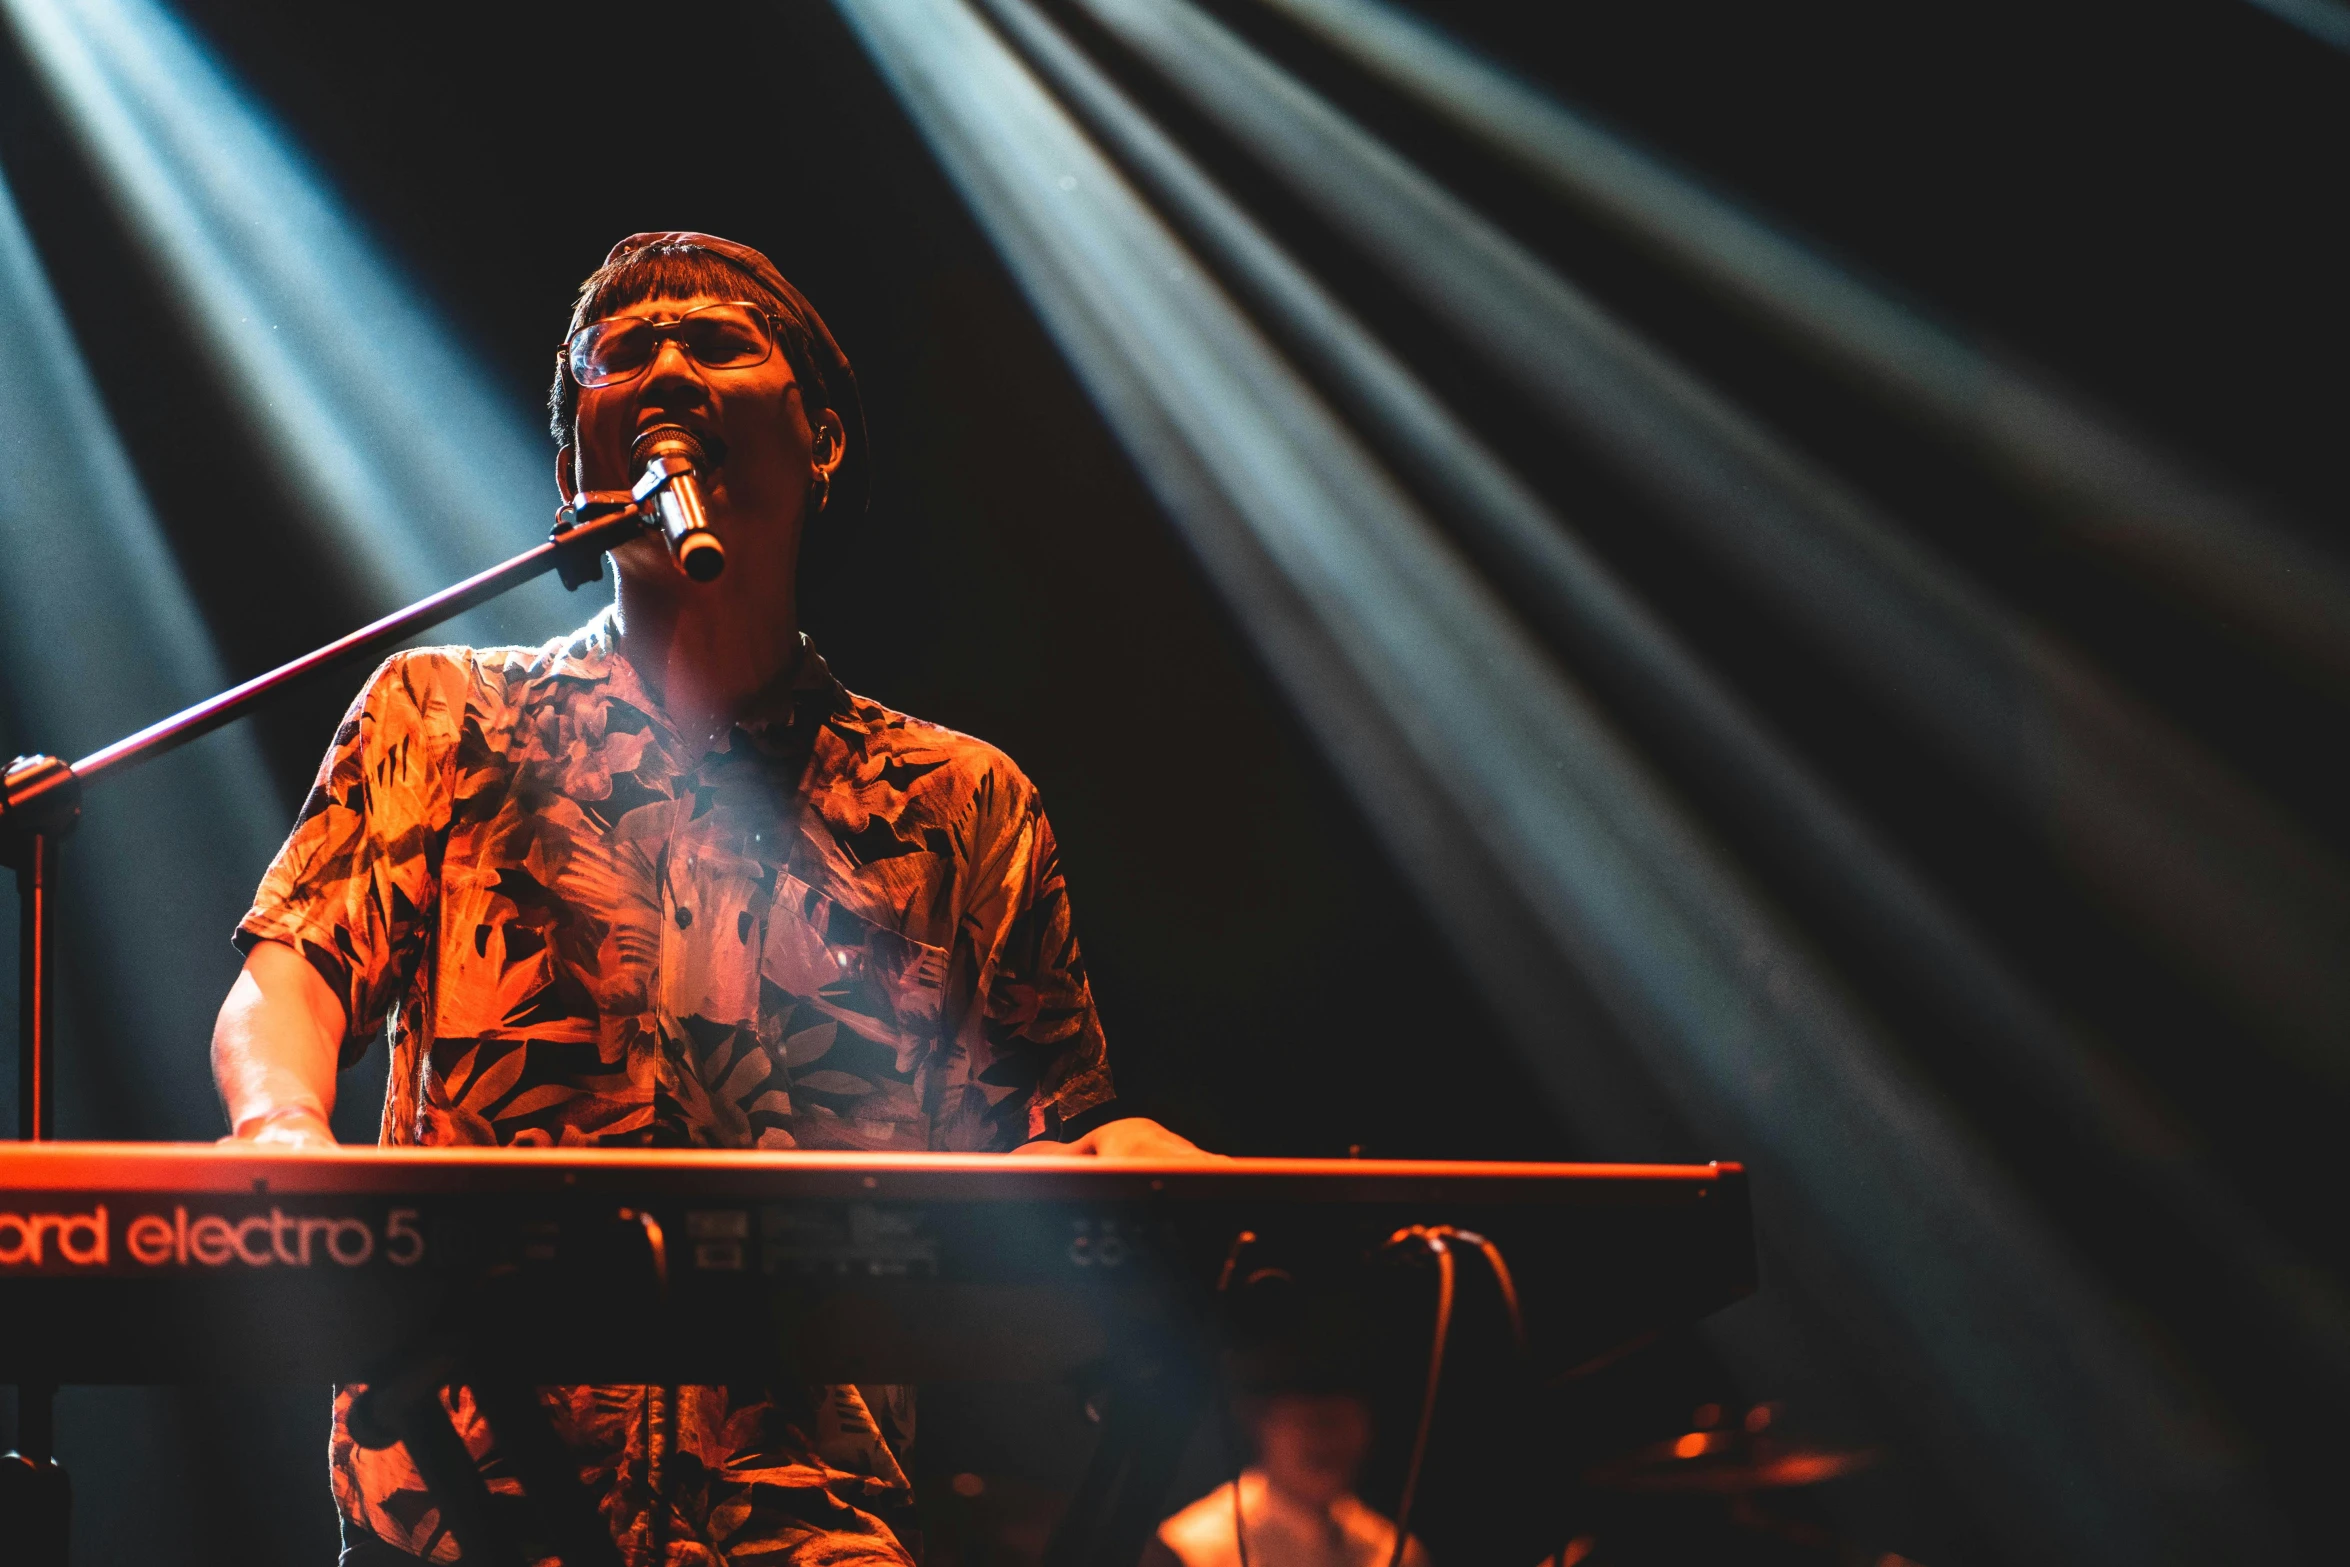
(565, 478)
(828, 443)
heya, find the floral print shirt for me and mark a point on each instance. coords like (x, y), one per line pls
(841, 928)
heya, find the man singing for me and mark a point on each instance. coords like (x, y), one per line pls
(665, 883)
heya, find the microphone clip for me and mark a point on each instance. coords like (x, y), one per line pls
(579, 567)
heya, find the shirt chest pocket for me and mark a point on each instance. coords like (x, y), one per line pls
(886, 987)
(714, 906)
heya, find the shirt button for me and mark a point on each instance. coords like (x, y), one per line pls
(685, 916)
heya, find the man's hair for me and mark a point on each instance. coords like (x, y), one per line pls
(676, 271)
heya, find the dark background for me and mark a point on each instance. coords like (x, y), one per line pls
(2145, 198)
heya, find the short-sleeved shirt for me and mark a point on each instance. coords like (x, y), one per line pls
(841, 928)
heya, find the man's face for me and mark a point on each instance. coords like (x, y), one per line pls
(761, 458)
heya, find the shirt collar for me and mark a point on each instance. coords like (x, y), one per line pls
(591, 655)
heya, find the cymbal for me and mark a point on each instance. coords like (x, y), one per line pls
(1726, 1463)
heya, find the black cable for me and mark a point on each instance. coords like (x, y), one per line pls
(1434, 1240)
(1501, 1281)
(1435, 1237)
(1240, 1243)
(1508, 1289)
(1232, 1447)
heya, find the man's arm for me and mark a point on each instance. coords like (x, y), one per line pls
(275, 1048)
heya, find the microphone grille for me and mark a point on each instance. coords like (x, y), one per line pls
(668, 440)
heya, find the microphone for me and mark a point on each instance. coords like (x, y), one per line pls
(670, 458)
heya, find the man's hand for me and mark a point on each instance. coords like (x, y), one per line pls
(293, 1126)
(1135, 1137)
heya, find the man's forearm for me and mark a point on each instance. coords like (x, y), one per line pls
(275, 1048)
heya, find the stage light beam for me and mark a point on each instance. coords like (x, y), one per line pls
(362, 402)
(98, 634)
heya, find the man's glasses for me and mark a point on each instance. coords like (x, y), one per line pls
(718, 337)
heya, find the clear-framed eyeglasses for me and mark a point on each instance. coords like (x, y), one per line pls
(732, 336)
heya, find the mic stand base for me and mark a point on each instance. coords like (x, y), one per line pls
(36, 1498)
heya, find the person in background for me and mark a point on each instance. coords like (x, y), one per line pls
(1297, 1504)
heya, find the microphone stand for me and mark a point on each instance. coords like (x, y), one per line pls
(40, 801)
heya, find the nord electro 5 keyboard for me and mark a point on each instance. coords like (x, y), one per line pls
(160, 1262)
